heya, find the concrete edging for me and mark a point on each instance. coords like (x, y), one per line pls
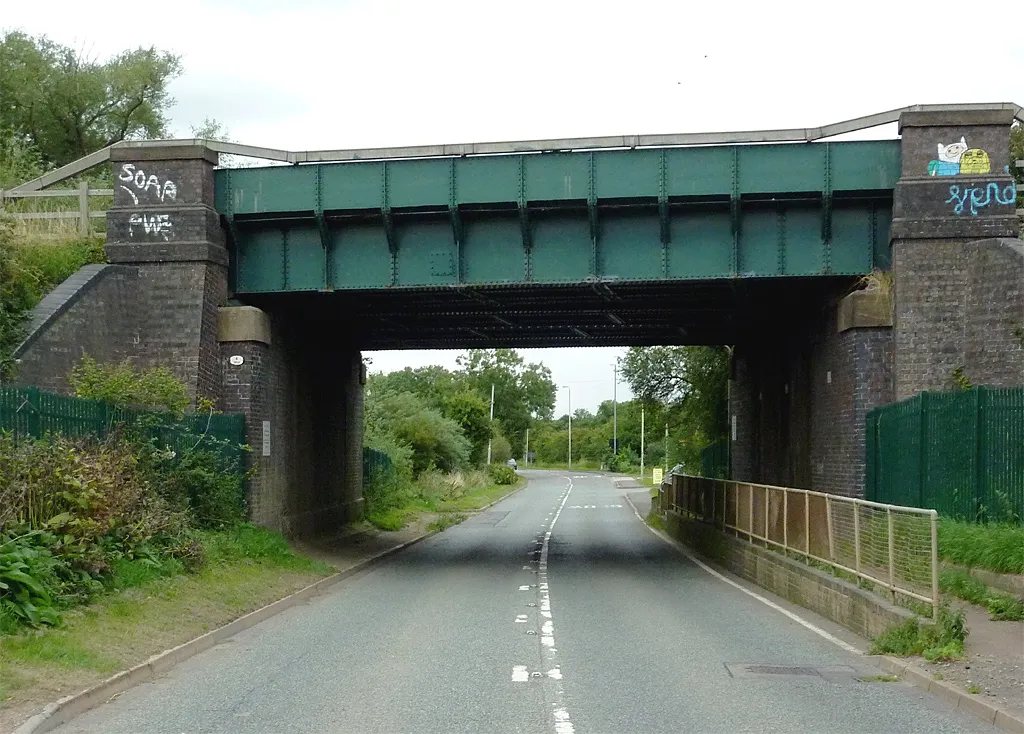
(63, 710)
(970, 703)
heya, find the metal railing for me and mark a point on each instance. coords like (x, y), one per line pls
(82, 213)
(889, 546)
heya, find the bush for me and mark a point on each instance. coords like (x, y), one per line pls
(502, 474)
(123, 386)
(204, 483)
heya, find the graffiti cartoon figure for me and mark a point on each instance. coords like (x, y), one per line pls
(948, 163)
(974, 161)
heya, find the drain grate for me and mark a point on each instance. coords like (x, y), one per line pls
(780, 670)
(833, 673)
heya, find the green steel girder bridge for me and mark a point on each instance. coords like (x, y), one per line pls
(547, 248)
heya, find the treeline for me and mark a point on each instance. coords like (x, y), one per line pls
(432, 417)
(681, 390)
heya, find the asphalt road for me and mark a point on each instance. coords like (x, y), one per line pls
(555, 611)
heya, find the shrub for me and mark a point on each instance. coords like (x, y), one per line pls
(24, 573)
(123, 386)
(502, 474)
(207, 483)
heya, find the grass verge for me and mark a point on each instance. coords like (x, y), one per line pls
(247, 568)
(996, 547)
(1002, 607)
(434, 492)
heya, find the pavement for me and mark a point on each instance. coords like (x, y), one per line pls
(555, 610)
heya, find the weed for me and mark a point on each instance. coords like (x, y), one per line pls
(996, 547)
(961, 584)
(249, 542)
(445, 521)
(943, 640)
(973, 688)
(655, 520)
(879, 678)
(938, 676)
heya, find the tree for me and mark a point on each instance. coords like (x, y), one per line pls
(521, 391)
(693, 382)
(67, 105)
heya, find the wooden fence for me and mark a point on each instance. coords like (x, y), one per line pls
(82, 213)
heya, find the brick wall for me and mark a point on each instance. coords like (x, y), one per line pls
(92, 313)
(801, 396)
(958, 304)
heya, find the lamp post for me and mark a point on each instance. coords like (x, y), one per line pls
(569, 393)
(492, 426)
(615, 410)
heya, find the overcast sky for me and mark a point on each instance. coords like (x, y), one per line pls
(311, 74)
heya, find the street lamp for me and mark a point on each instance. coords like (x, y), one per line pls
(615, 410)
(569, 394)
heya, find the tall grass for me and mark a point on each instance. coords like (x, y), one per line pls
(996, 547)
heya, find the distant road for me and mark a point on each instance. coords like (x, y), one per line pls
(555, 611)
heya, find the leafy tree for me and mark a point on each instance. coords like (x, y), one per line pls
(472, 413)
(17, 296)
(67, 105)
(435, 441)
(693, 382)
(521, 391)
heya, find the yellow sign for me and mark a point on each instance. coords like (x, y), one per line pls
(657, 474)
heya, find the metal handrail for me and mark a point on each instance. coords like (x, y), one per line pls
(707, 493)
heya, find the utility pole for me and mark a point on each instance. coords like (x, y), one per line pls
(492, 426)
(641, 441)
(569, 392)
(615, 409)
(526, 457)
(666, 448)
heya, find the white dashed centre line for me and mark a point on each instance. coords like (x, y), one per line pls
(561, 720)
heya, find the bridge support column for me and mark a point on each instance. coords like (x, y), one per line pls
(163, 224)
(302, 395)
(959, 303)
(799, 395)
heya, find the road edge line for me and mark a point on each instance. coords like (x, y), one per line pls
(64, 709)
(764, 600)
(916, 676)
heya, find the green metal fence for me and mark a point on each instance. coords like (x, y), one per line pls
(31, 412)
(714, 460)
(375, 463)
(961, 453)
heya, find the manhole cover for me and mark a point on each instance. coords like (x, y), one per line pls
(833, 673)
(780, 670)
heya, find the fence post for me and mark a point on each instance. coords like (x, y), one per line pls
(828, 521)
(33, 421)
(892, 555)
(83, 207)
(935, 565)
(856, 538)
(922, 459)
(807, 523)
(785, 520)
(979, 450)
(750, 514)
(767, 498)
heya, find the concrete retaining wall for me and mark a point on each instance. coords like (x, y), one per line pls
(844, 603)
